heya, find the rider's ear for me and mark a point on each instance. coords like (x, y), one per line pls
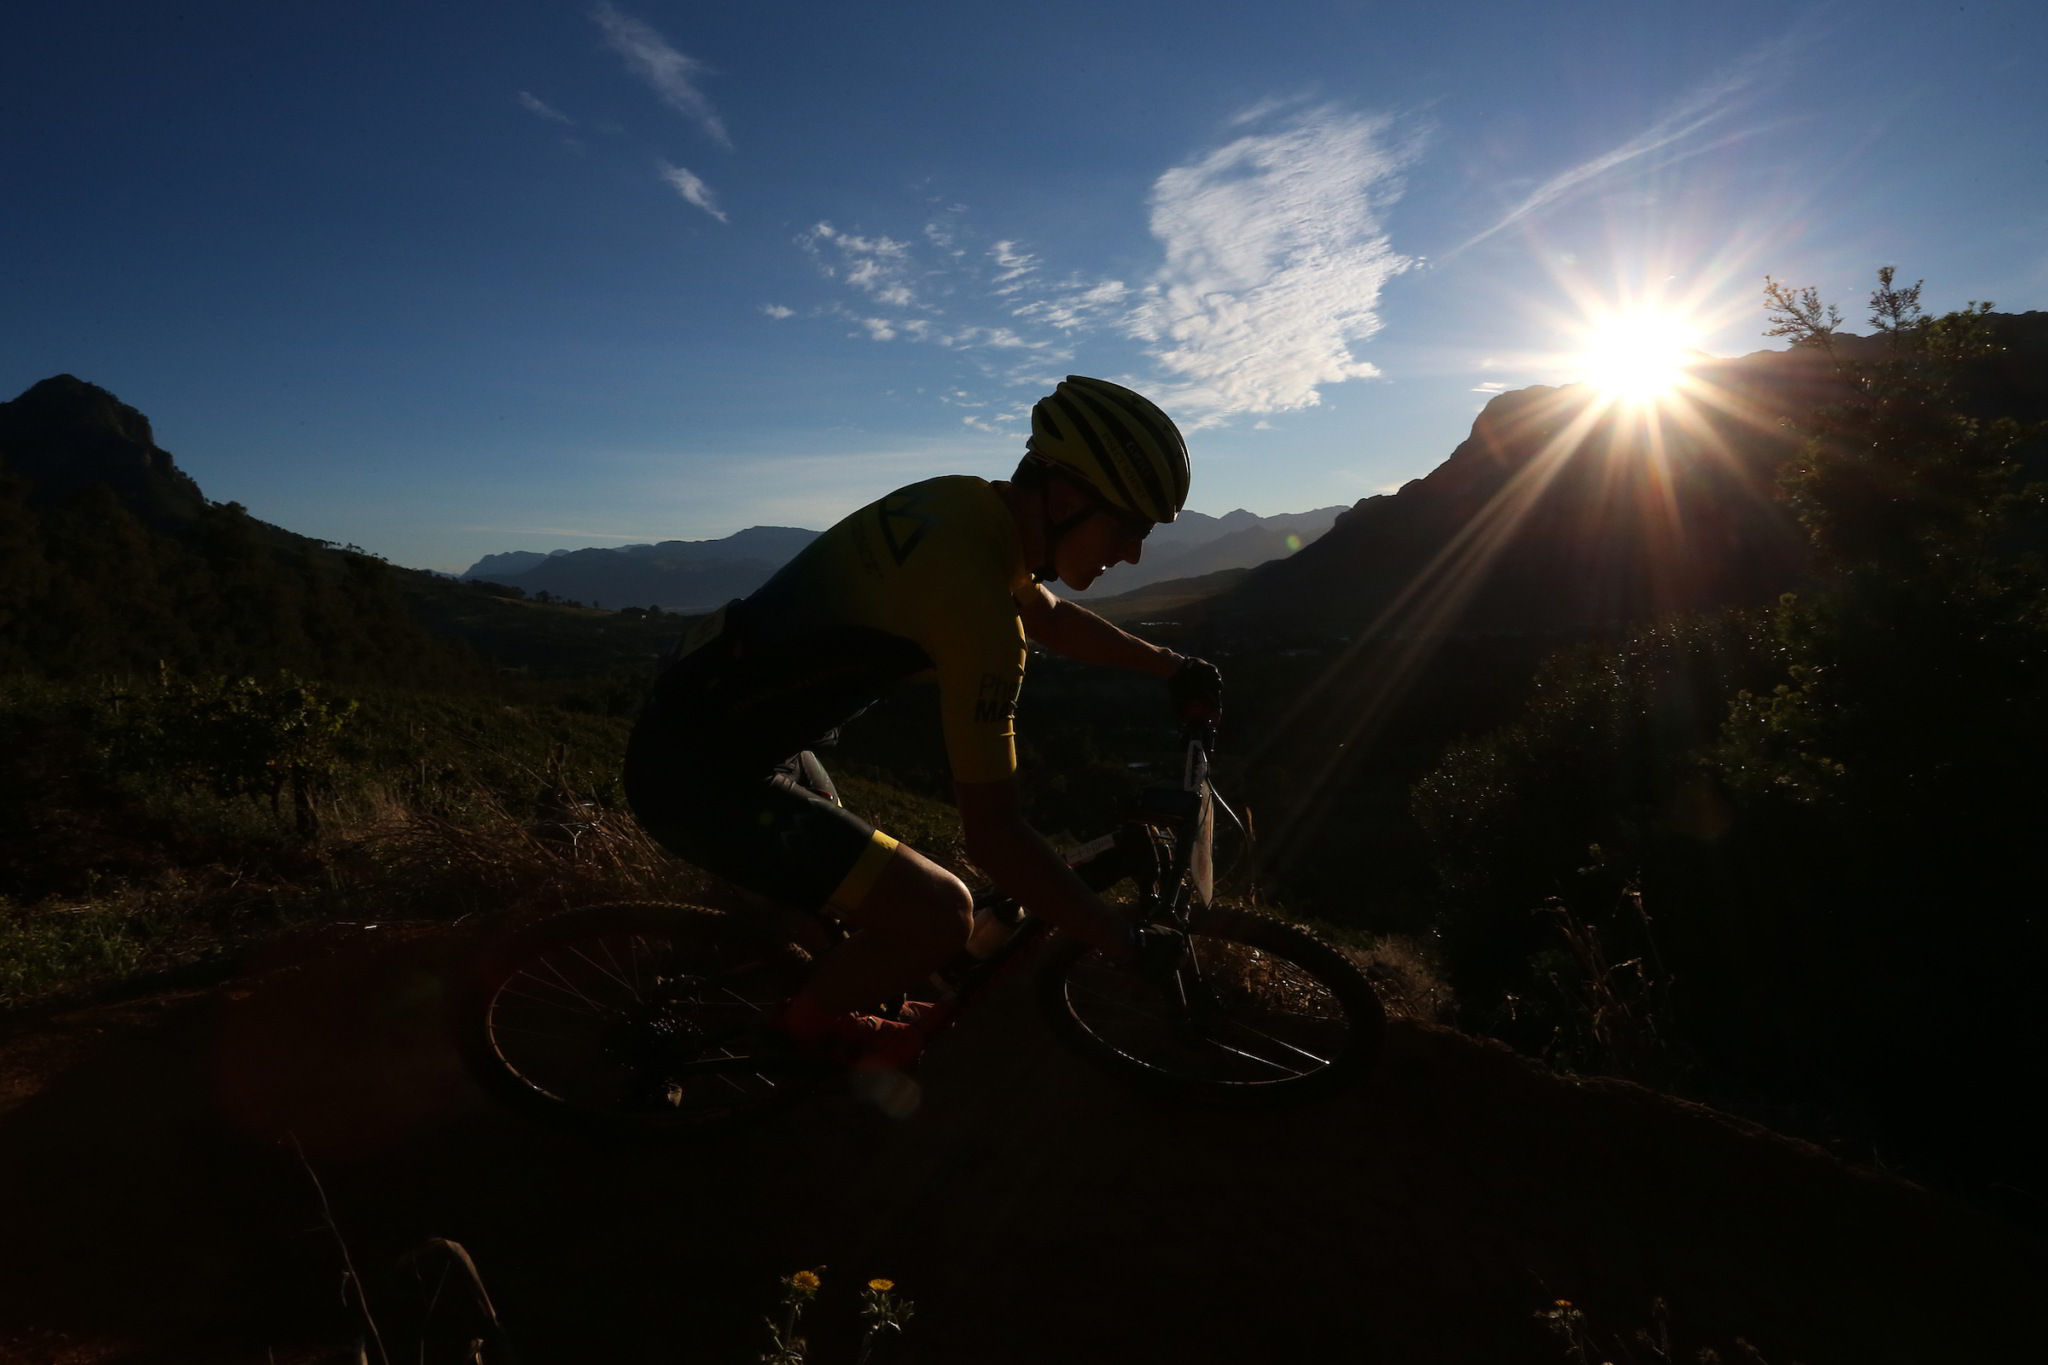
(1067, 497)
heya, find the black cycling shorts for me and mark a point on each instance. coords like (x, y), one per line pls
(780, 832)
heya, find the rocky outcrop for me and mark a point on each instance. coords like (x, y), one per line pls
(64, 435)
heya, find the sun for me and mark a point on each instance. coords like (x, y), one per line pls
(1637, 357)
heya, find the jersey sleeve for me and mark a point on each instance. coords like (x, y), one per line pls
(980, 667)
(971, 631)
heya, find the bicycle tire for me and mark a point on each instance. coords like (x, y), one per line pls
(1282, 1017)
(640, 1019)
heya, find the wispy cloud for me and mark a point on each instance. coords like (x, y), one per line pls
(1704, 107)
(533, 104)
(1012, 266)
(1275, 258)
(671, 73)
(778, 311)
(692, 189)
(879, 267)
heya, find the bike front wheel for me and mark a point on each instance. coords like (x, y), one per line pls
(636, 1020)
(1260, 1012)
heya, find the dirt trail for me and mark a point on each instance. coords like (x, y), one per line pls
(1033, 1210)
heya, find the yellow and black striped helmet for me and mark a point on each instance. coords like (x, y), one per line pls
(1115, 441)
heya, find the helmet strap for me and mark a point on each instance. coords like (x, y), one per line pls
(1055, 531)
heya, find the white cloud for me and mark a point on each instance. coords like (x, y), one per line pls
(692, 189)
(672, 74)
(1490, 387)
(535, 105)
(877, 266)
(1012, 266)
(776, 310)
(1275, 257)
(1081, 305)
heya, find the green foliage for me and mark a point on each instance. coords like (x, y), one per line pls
(87, 587)
(1606, 753)
(1830, 811)
(236, 737)
(1897, 484)
(55, 945)
(1912, 676)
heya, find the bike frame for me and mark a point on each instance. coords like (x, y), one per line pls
(1168, 814)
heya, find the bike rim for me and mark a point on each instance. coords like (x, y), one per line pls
(1241, 1017)
(652, 1026)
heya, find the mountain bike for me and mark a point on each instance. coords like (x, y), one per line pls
(654, 1019)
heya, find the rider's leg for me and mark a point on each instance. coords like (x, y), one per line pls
(912, 918)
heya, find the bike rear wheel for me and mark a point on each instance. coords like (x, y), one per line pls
(638, 1019)
(1262, 1013)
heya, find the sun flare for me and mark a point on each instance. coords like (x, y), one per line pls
(1637, 357)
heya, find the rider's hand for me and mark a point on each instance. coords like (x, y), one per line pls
(1197, 689)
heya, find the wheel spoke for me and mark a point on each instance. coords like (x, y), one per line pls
(1258, 1020)
(639, 1027)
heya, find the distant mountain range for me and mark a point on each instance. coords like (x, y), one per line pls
(696, 575)
(676, 575)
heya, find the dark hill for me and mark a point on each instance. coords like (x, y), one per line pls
(1421, 616)
(64, 435)
(112, 560)
(1557, 519)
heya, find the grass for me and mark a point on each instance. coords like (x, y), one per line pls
(229, 872)
(58, 944)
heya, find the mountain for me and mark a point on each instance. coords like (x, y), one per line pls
(1197, 545)
(112, 561)
(694, 575)
(677, 575)
(1558, 518)
(64, 435)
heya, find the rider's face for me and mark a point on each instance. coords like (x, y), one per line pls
(1100, 542)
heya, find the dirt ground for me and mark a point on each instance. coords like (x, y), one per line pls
(163, 1165)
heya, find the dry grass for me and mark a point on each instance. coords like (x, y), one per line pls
(1406, 981)
(384, 852)
(436, 866)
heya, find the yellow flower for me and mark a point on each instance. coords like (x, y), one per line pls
(881, 1286)
(803, 1279)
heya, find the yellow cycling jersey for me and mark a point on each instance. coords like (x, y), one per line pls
(922, 582)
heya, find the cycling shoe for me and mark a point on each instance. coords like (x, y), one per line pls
(861, 1042)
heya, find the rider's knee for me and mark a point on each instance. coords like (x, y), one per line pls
(949, 916)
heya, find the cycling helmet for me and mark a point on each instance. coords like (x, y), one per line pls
(1115, 441)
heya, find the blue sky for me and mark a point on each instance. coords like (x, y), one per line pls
(447, 278)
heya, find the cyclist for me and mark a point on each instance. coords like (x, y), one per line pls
(942, 577)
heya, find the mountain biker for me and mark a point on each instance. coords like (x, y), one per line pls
(942, 577)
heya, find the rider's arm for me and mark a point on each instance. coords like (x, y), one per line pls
(1003, 844)
(1071, 629)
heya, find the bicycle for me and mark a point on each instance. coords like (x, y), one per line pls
(653, 1019)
